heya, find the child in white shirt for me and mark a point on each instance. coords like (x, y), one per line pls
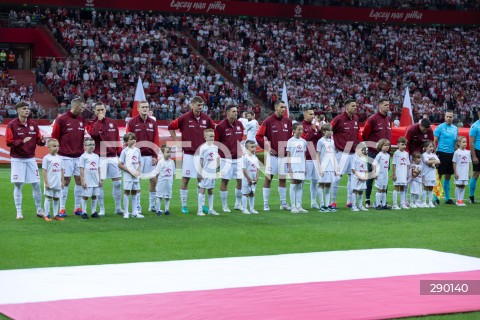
(401, 166)
(416, 181)
(89, 164)
(380, 169)
(461, 168)
(250, 176)
(165, 170)
(209, 162)
(429, 170)
(53, 179)
(130, 164)
(359, 176)
(296, 167)
(328, 167)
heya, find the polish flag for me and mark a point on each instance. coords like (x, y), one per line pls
(285, 99)
(407, 116)
(322, 285)
(139, 96)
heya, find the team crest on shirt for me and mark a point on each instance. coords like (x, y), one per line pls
(285, 125)
(238, 127)
(204, 121)
(111, 125)
(81, 124)
(150, 125)
(32, 128)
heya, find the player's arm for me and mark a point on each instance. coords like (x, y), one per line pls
(394, 175)
(11, 141)
(409, 137)
(260, 136)
(174, 125)
(63, 177)
(312, 134)
(56, 129)
(218, 134)
(367, 130)
(93, 129)
(156, 140)
(435, 137)
(40, 139)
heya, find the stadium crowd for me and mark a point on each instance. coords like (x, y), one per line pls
(395, 4)
(111, 50)
(324, 63)
(13, 92)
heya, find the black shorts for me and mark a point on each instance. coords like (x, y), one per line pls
(446, 164)
(476, 167)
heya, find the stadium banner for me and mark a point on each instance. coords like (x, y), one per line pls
(241, 8)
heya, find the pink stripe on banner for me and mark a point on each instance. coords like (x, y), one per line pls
(351, 299)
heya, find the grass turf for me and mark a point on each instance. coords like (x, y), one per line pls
(33, 242)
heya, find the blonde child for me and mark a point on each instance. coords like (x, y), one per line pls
(359, 176)
(296, 167)
(429, 170)
(89, 164)
(461, 168)
(207, 173)
(165, 170)
(381, 164)
(416, 181)
(328, 168)
(129, 163)
(250, 176)
(53, 179)
(401, 166)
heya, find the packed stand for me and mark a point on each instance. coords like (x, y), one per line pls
(394, 4)
(324, 63)
(13, 92)
(109, 52)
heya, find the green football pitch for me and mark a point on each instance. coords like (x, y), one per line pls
(33, 242)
